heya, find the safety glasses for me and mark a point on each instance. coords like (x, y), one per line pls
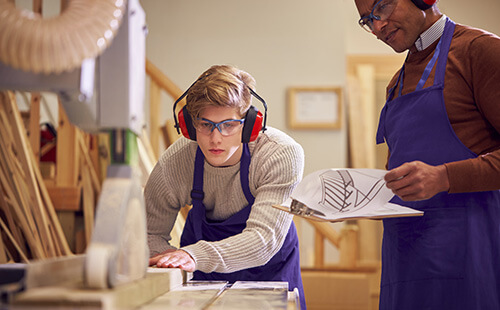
(381, 11)
(226, 128)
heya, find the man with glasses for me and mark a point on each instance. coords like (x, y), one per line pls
(232, 232)
(441, 123)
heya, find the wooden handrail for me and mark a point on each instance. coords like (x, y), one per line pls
(327, 231)
(162, 80)
(345, 241)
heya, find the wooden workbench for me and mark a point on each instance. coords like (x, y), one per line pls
(161, 289)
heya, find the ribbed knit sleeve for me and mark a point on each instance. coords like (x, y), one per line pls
(276, 167)
(166, 191)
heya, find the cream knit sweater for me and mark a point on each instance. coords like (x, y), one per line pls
(275, 170)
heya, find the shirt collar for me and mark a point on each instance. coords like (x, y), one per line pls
(431, 35)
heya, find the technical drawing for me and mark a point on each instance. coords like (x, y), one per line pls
(339, 191)
(339, 194)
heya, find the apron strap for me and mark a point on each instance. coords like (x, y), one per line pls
(430, 65)
(197, 193)
(443, 57)
(244, 167)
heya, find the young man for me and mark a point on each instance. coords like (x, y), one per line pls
(232, 175)
(441, 123)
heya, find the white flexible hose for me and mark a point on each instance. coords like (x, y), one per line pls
(54, 45)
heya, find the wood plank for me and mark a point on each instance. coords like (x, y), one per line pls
(24, 155)
(12, 240)
(24, 220)
(67, 151)
(65, 198)
(48, 170)
(93, 150)
(13, 223)
(10, 179)
(128, 296)
(34, 124)
(37, 6)
(146, 141)
(327, 231)
(88, 161)
(3, 250)
(336, 290)
(61, 239)
(170, 134)
(88, 204)
(163, 81)
(154, 115)
(67, 220)
(349, 246)
(80, 243)
(14, 228)
(319, 249)
(103, 141)
(46, 148)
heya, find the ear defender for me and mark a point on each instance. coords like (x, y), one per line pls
(252, 125)
(424, 4)
(254, 120)
(186, 124)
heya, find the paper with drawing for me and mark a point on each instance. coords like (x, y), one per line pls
(341, 194)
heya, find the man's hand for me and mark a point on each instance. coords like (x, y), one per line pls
(417, 181)
(173, 259)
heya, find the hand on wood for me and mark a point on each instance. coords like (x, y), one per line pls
(173, 259)
(417, 181)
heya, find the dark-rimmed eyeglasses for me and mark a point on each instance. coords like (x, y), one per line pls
(226, 128)
(381, 11)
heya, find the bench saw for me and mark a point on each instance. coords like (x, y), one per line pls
(98, 72)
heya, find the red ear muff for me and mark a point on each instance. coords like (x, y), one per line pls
(186, 124)
(252, 126)
(257, 127)
(424, 4)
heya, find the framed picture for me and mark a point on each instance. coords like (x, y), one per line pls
(314, 107)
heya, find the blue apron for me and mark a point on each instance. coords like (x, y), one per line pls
(448, 258)
(284, 266)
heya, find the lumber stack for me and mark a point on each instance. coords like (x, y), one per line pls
(29, 225)
(76, 183)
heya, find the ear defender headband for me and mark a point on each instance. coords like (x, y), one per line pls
(254, 120)
(424, 4)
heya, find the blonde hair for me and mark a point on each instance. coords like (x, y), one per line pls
(221, 85)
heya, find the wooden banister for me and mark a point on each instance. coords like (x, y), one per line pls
(327, 231)
(162, 80)
(345, 241)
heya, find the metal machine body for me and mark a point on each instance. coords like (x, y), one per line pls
(107, 93)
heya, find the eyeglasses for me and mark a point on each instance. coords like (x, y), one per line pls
(226, 128)
(381, 11)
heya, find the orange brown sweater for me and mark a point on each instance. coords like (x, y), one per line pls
(472, 100)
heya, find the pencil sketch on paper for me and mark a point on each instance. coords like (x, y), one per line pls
(339, 194)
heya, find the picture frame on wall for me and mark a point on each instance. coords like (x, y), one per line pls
(314, 107)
